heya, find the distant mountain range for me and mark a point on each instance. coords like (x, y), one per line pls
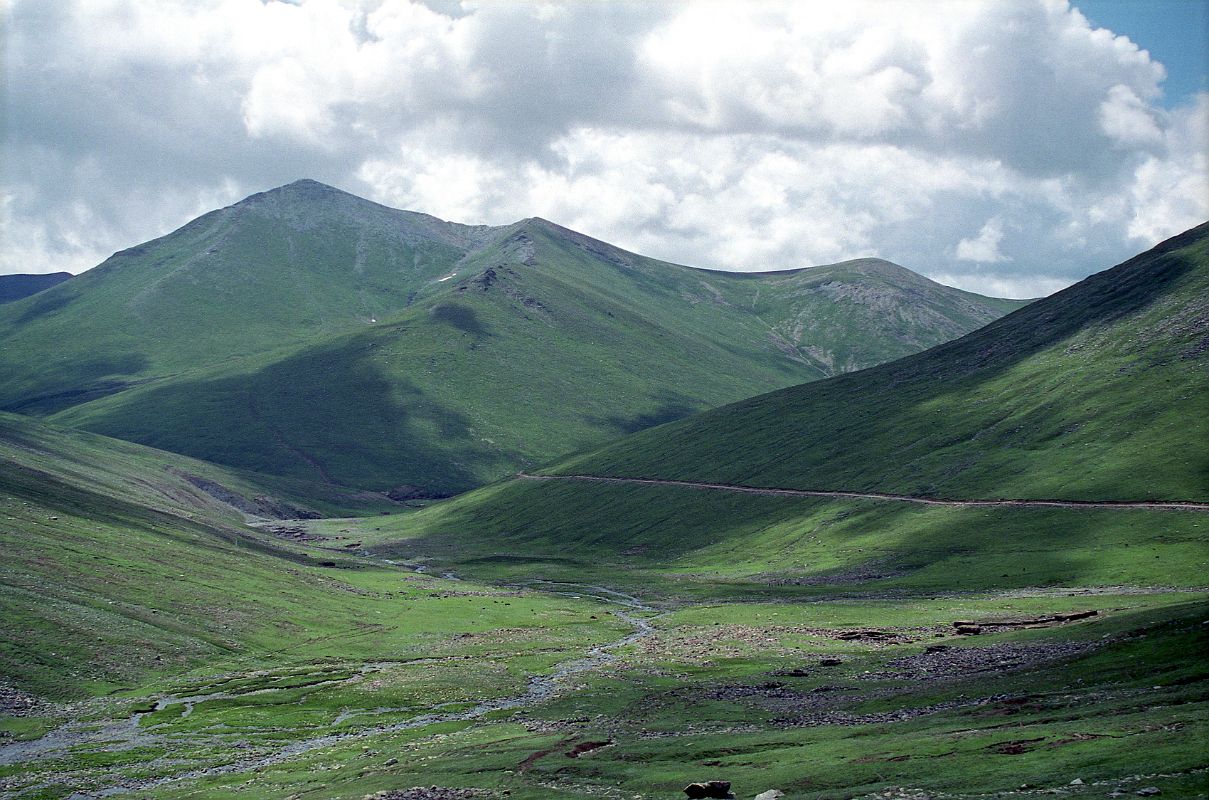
(14, 287)
(308, 333)
(1100, 391)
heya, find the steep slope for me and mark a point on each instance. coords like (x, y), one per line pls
(280, 267)
(1098, 392)
(15, 287)
(308, 333)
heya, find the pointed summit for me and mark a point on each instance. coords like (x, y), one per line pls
(308, 187)
(307, 183)
(301, 190)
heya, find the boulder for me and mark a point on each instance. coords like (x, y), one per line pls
(771, 794)
(696, 791)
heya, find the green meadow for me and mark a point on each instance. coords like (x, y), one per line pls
(807, 646)
(176, 628)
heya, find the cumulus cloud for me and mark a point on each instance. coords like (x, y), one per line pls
(983, 248)
(1006, 147)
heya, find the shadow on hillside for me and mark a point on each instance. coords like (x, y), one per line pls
(94, 377)
(586, 531)
(1100, 300)
(52, 493)
(462, 318)
(669, 407)
(326, 414)
(43, 304)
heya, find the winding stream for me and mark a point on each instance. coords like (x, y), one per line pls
(540, 688)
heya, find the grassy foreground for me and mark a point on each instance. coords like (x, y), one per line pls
(161, 647)
(124, 586)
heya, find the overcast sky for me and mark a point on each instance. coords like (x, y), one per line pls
(1006, 147)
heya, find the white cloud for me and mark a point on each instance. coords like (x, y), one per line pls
(1127, 119)
(1019, 287)
(747, 135)
(1170, 191)
(983, 248)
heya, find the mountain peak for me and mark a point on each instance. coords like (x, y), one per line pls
(874, 266)
(543, 224)
(303, 187)
(305, 183)
(308, 186)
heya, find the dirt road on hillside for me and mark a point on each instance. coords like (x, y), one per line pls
(1145, 505)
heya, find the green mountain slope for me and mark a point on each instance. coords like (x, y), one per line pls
(1098, 392)
(280, 267)
(123, 563)
(15, 287)
(307, 333)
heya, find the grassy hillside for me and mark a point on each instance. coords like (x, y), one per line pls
(801, 644)
(200, 658)
(121, 577)
(679, 542)
(1098, 392)
(310, 334)
(15, 287)
(280, 267)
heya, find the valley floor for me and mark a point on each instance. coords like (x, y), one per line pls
(156, 645)
(857, 695)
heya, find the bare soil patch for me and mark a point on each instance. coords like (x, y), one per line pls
(430, 793)
(952, 662)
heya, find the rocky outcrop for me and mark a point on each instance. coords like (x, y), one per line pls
(695, 791)
(430, 793)
(259, 506)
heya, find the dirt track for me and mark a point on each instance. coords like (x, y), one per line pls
(1146, 505)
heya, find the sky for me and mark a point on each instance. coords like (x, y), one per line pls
(1175, 32)
(1008, 147)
